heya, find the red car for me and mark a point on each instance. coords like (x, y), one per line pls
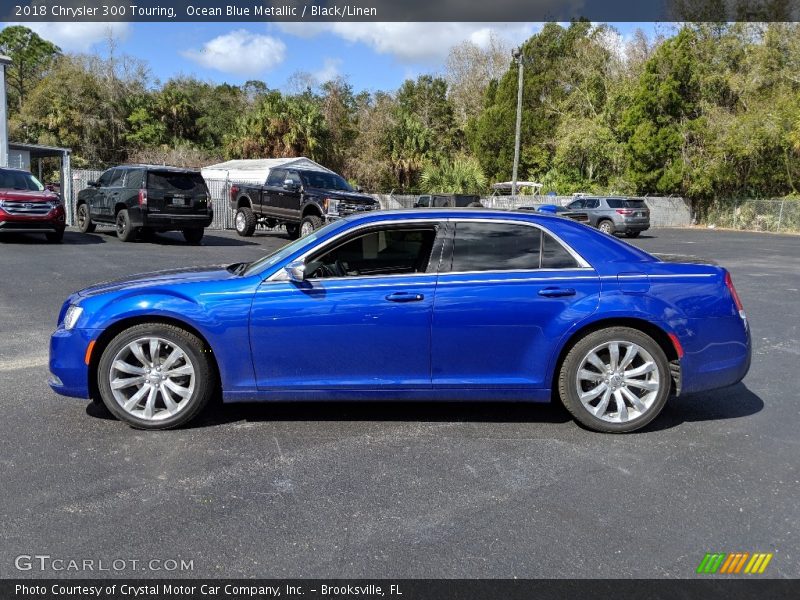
(27, 207)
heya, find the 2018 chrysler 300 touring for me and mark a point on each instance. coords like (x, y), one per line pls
(440, 304)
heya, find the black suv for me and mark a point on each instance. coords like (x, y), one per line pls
(139, 198)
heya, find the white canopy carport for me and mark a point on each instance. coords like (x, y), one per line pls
(256, 170)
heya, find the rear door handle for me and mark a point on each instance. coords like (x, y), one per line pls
(405, 297)
(556, 292)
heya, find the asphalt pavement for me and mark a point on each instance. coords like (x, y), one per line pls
(394, 489)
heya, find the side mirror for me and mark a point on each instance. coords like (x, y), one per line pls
(359, 188)
(93, 184)
(290, 185)
(296, 270)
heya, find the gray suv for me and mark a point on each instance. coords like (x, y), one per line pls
(614, 215)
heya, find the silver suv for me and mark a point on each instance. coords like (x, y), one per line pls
(614, 215)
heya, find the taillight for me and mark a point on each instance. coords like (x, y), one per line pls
(736, 300)
(234, 192)
(143, 198)
(625, 211)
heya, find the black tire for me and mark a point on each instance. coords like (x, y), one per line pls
(632, 234)
(125, 231)
(245, 221)
(193, 235)
(55, 237)
(205, 383)
(292, 230)
(311, 221)
(84, 219)
(573, 362)
(606, 226)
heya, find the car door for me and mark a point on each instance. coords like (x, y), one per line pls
(506, 294)
(272, 194)
(97, 200)
(290, 196)
(112, 195)
(360, 321)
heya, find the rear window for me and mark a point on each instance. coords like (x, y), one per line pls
(625, 203)
(176, 182)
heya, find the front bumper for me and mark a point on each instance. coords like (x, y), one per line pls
(68, 368)
(54, 221)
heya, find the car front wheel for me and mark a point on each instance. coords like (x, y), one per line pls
(156, 376)
(84, 219)
(615, 380)
(309, 224)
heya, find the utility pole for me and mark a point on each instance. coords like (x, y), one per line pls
(519, 57)
(4, 62)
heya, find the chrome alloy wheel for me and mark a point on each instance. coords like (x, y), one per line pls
(618, 381)
(152, 378)
(306, 228)
(241, 222)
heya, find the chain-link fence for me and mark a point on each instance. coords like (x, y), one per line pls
(776, 215)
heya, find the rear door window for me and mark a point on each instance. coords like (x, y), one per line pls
(176, 182)
(495, 247)
(555, 256)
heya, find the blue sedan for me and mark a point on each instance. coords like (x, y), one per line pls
(435, 305)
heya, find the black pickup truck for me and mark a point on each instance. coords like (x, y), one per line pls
(299, 199)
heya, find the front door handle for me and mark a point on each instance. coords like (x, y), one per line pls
(553, 292)
(405, 297)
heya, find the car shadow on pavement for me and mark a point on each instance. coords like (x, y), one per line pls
(728, 403)
(73, 238)
(482, 412)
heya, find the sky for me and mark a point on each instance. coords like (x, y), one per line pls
(372, 56)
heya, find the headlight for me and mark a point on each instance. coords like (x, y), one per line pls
(332, 206)
(72, 315)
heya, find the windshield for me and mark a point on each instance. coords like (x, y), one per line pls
(19, 180)
(282, 253)
(324, 181)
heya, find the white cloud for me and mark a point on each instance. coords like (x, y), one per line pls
(79, 37)
(240, 52)
(328, 71)
(416, 43)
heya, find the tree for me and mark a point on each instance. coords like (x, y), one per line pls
(468, 71)
(30, 57)
(461, 175)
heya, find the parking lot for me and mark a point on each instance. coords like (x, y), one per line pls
(397, 490)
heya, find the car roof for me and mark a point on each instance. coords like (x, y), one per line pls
(157, 168)
(451, 213)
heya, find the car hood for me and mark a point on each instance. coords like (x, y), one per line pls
(28, 195)
(340, 195)
(159, 278)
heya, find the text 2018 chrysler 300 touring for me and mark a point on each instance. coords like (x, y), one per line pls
(439, 304)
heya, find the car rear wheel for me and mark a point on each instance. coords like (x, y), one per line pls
(615, 380)
(309, 224)
(193, 235)
(245, 221)
(84, 219)
(55, 237)
(156, 376)
(606, 226)
(125, 231)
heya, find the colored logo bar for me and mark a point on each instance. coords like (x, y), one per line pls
(734, 563)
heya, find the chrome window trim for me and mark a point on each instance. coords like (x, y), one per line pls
(583, 264)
